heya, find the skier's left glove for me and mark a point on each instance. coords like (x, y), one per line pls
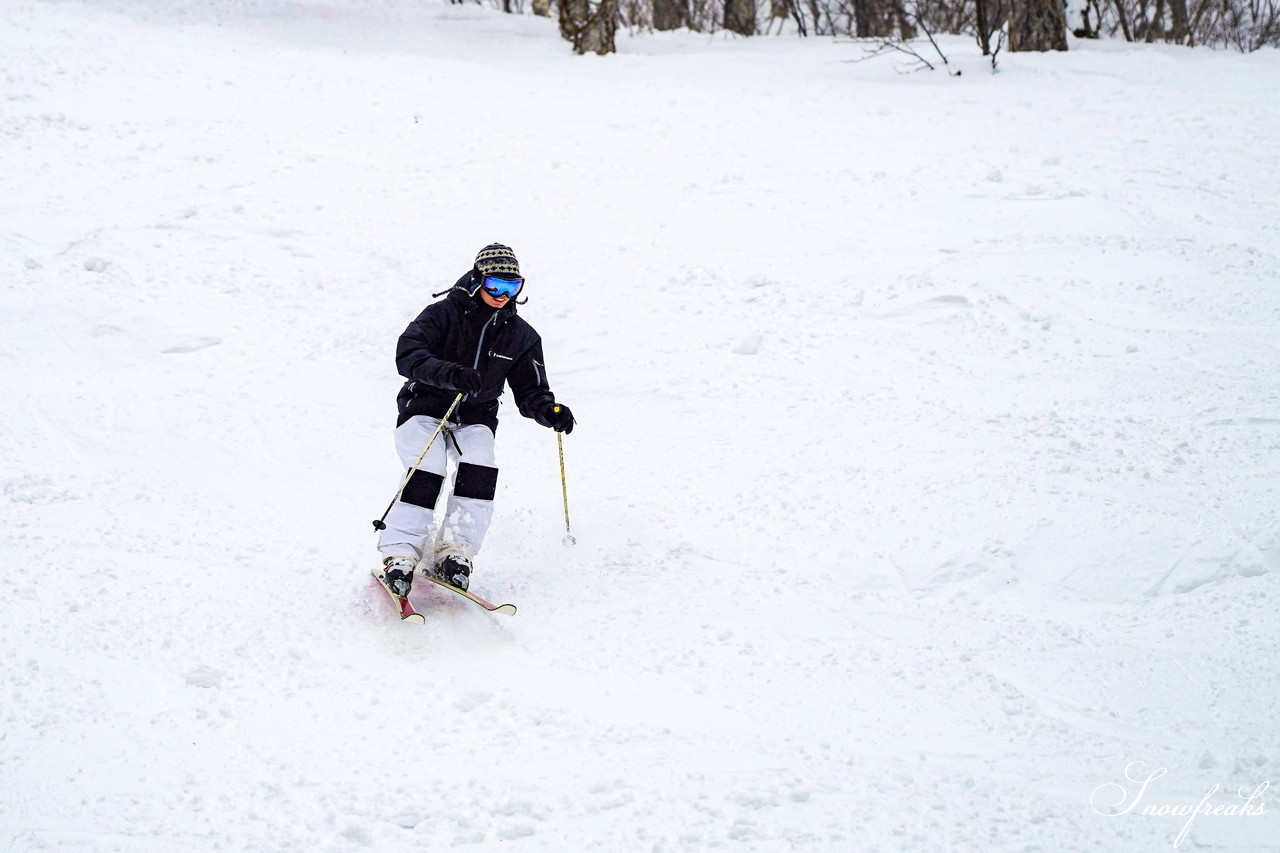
(558, 417)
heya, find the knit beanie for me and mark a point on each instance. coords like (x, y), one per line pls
(497, 259)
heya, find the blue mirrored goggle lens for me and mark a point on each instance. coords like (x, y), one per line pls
(502, 286)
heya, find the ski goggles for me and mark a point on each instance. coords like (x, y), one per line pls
(498, 287)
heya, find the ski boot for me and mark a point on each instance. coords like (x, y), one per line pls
(454, 570)
(398, 575)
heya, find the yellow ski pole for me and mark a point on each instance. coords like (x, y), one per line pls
(564, 489)
(381, 523)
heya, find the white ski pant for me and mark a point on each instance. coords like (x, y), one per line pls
(411, 529)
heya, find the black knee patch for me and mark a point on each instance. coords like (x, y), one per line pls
(422, 489)
(475, 481)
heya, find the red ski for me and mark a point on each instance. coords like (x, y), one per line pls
(407, 613)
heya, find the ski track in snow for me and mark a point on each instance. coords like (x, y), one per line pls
(925, 475)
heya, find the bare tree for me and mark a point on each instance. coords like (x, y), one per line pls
(982, 26)
(904, 45)
(1246, 25)
(740, 16)
(1037, 25)
(588, 25)
(1019, 25)
(1178, 14)
(781, 9)
(670, 14)
(873, 18)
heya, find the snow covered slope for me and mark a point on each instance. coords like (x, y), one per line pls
(925, 477)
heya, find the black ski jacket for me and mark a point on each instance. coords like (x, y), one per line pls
(462, 329)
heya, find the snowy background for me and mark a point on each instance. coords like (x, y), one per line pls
(925, 477)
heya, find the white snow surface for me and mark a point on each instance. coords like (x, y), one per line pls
(925, 476)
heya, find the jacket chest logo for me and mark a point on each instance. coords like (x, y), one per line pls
(500, 355)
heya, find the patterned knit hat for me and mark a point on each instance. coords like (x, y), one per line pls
(497, 259)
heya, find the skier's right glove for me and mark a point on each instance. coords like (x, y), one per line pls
(466, 379)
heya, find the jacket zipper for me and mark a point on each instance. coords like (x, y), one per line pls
(475, 365)
(480, 346)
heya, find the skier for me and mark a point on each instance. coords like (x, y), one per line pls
(470, 342)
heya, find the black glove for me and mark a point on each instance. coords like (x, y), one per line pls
(466, 379)
(558, 417)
